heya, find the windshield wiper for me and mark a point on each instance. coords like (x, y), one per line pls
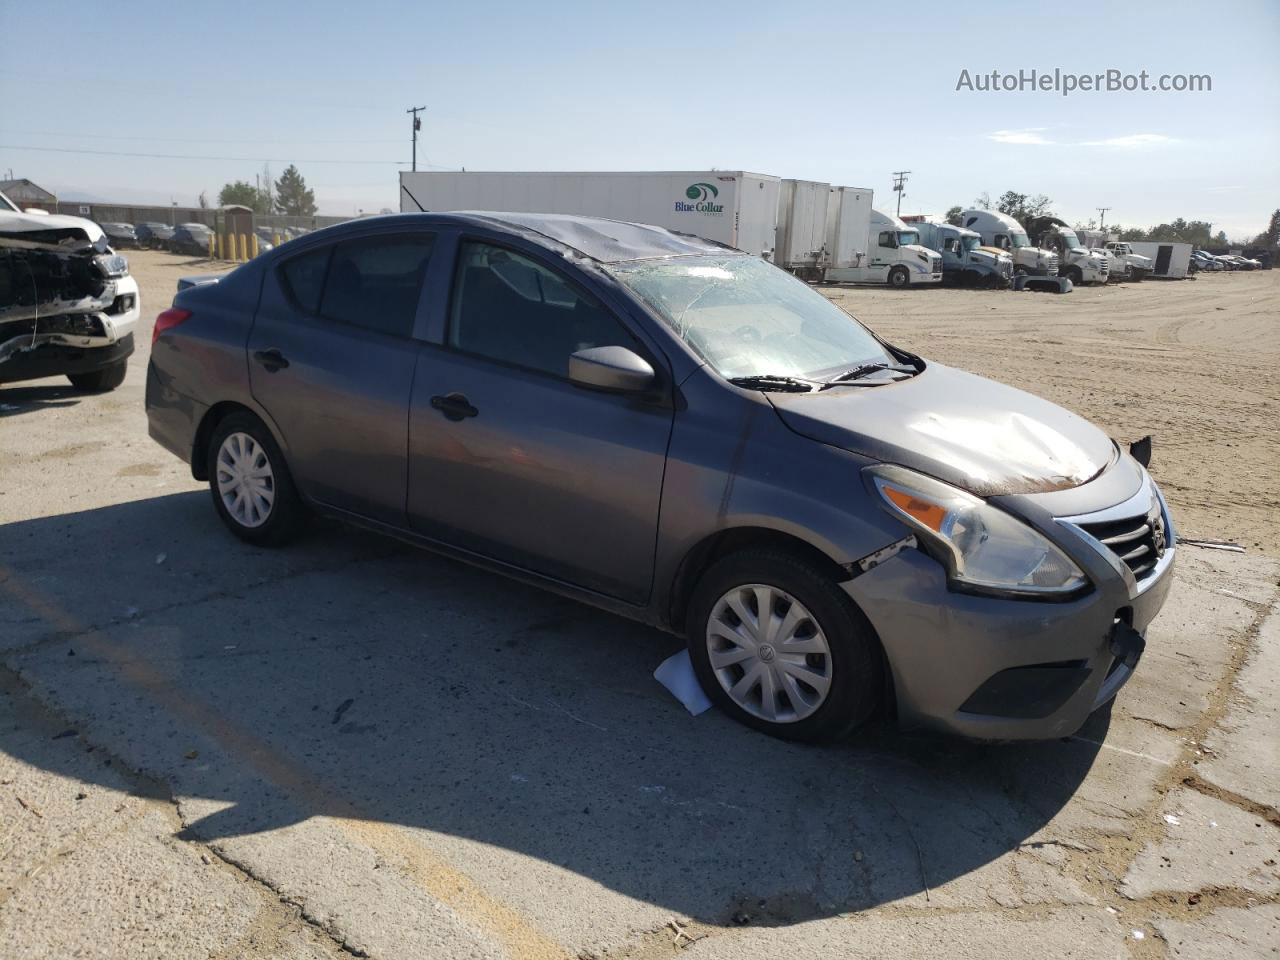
(857, 373)
(772, 382)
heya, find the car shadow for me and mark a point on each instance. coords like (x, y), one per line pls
(16, 400)
(350, 676)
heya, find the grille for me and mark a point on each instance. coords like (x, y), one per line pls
(1139, 541)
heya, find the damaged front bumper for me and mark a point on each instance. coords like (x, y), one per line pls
(67, 306)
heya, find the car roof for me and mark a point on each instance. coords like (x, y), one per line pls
(598, 238)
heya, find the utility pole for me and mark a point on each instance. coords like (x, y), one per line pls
(899, 183)
(1102, 217)
(417, 125)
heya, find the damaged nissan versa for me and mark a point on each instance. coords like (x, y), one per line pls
(67, 303)
(687, 435)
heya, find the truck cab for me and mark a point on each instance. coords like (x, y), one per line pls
(965, 261)
(1133, 265)
(1075, 261)
(1002, 234)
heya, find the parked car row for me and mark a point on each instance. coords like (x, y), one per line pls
(1203, 260)
(187, 238)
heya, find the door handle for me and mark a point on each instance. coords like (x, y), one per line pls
(454, 406)
(272, 359)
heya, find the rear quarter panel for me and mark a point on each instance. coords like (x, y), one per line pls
(202, 362)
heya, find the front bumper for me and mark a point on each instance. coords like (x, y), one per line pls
(999, 669)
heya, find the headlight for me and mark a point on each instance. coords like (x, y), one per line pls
(984, 549)
(112, 264)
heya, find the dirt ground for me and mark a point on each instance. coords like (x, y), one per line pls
(1194, 363)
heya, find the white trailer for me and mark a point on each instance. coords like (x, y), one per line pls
(1171, 260)
(848, 226)
(733, 207)
(802, 227)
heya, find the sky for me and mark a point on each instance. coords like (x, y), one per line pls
(844, 93)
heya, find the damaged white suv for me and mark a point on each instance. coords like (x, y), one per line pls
(68, 306)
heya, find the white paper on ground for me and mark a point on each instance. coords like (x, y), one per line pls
(676, 674)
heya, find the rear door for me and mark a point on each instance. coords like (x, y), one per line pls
(331, 359)
(510, 459)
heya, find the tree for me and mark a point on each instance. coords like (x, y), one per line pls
(953, 216)
(1024, 208)
(982, 201)
(203, 200)
(241, 192)
(292, 196)
(1269, 238)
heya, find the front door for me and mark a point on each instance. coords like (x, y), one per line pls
(332, 358)
(510, 459)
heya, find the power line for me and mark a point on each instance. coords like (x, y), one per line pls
(114, 136)
(192, 156)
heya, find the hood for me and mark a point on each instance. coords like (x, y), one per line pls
(974, 433)
(16, 223)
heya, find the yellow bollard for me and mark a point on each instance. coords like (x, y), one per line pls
(275, 239)
(211, 242)
(243, 245)
(253, 244)
(222, 246)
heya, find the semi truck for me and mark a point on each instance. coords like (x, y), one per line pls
(965, 262)
(867, 246)
(1003, 234)
(1076, 262)
(733, 207)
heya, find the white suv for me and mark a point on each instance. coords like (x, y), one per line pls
(68, 306)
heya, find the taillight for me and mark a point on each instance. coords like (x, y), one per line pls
(167, 321)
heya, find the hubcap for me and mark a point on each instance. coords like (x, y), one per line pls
(245, 481)
(769, 653)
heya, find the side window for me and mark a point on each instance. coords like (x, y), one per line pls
(951, 245)
(303, 276)
(375, 282)
(1002, 241)
(509, 308)
(886, 239)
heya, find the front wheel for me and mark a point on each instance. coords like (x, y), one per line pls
(252, 489)
(779, 647)
(1076, 276)
(100, 381)
(898, 278)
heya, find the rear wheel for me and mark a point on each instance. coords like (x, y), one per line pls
(100, 381)
(898, 277)
(250, 482)
(780, 648)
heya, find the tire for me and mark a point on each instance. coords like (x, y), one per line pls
(100, 381)
(1075, 276)
(269, 513)
(851, 665)
(1019, 271)
(898, 278)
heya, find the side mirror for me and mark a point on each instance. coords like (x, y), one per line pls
(611, 368)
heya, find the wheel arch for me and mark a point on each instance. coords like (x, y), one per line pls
(699, 558)
(209, 423)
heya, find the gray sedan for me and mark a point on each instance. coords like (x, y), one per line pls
(686, 435)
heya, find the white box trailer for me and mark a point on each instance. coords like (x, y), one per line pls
(1171, 260)
(848, 226)
(733, 207)
(802, 227)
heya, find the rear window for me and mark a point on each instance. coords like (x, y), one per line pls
(303, 278)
